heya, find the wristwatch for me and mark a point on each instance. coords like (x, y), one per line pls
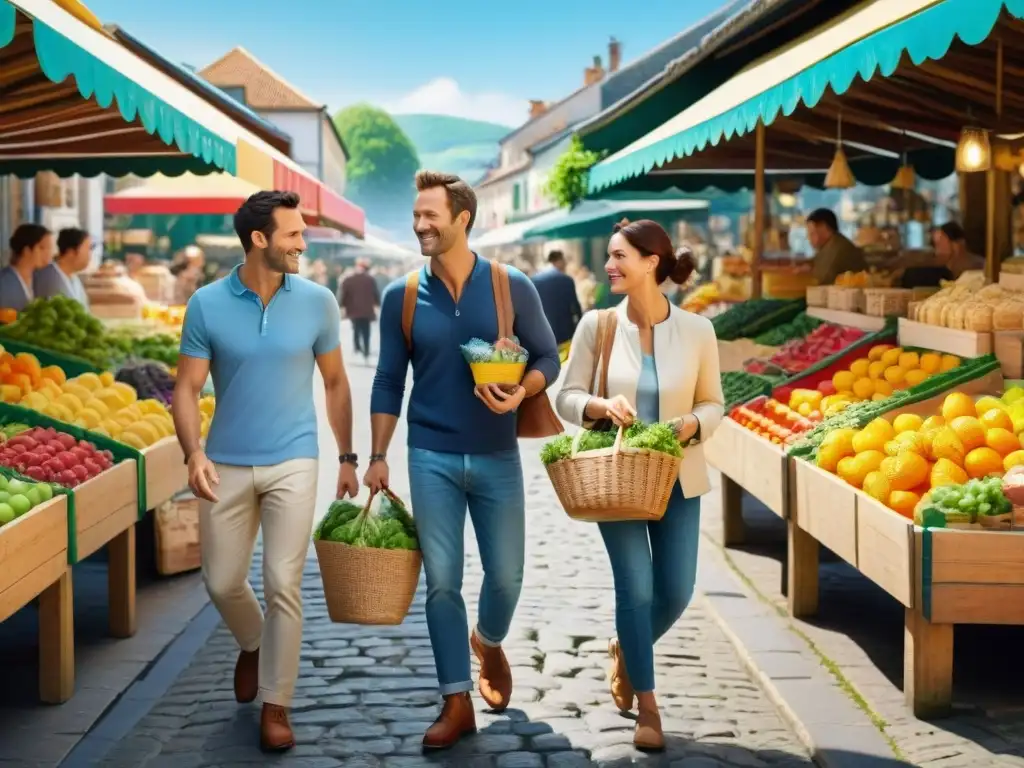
(375, 457)
(349, 458)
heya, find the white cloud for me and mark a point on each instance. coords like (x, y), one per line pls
(443, 96)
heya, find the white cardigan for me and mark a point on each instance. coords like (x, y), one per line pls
(686, 353)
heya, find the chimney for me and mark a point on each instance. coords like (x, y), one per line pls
(537, 108)
(593, 74)
(614, 55)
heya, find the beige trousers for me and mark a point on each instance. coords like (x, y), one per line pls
(281, 498)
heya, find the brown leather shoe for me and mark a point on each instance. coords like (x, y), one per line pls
(618, 679)
(457, 719)
(495, 674)
(247, 676)
(275, 730)
(648, 736)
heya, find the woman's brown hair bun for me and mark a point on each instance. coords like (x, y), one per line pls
(684, 267)
(651, 239)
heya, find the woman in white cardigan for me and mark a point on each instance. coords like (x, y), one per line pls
(663, 367)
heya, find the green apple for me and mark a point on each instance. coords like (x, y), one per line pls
(14, 485)
(33, 495)
(45, 491)
(4, 496)
(6, 514)
(20, 504)
(3, 482)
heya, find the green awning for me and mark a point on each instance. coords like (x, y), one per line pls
(868, 41)
(130, 110)
(594, 218)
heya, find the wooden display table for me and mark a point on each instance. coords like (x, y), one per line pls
(34, 554)
(166, 472)
(849, 319)
(106, 510)
(949, 340)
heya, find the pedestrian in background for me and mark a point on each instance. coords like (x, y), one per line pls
(259, 332)
(359, 298)
(557, 293)
(31, 250)
(463, 450)
(663, 367)
(60, 277)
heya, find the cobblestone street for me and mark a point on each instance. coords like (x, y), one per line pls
(367, 694)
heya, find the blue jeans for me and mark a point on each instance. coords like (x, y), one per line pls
(654, 566)
(442, 486)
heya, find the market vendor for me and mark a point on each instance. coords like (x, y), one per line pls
(834, 254)
(31, 249)
(60, 277)
(951, 252)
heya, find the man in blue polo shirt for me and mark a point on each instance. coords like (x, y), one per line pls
(463, 450)
(260, 331)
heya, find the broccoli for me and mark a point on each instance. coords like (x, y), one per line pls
(391, 527)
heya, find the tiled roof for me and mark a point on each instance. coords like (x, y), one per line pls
(264, 89)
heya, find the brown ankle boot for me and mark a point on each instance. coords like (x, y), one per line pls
(457, 719)
(275, 730)
(247, 676)
(495, 674)
(648, 736)
(618, 679)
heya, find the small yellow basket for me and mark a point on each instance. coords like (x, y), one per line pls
(505, 374)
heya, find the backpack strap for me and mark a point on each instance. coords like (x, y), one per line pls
(503, 299)
(412, 290)
(607, 323)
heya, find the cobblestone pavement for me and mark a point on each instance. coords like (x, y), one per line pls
(986, 729)
(367, 694)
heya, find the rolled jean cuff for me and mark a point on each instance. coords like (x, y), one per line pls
(276, 698)
(484, 639)
(450, 689)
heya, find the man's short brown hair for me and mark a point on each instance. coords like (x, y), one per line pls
(461, 196)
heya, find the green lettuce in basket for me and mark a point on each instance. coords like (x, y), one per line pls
(660, 438)
(390, 526)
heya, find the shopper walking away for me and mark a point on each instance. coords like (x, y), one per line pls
(31, 250)
(260, 331)
(462, 442)
(359, 297)
(60, 277)
(662, 366)
(558, 297)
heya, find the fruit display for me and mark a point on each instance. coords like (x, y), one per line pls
(771, 419)
(19, 496)
(969, 304)
(856, 415)
(21, 374)
(151, 381)
(62, 325)
(800, 354)
(734, 355)
(739, 387)
(704, 296)
(50, 456)
(173, 316)
(870, 278)
(162, 347)
(964, 505)
(797, 328)
(754, 317)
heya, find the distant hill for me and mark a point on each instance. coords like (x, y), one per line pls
(454, 144)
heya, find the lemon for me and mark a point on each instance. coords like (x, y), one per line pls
(127, 392)
(89, 418)
(907, 422)
(88, 380)
(864, 388)
(876, 352)
(70, 402)
(83, 394)
(35, 400)
(163, 424)
(892, 356)
(106, 378)
(876, 369)
(859, 368)
(132, 440)
(97, 405)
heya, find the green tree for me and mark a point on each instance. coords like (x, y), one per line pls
(567, 182)
(381, 167)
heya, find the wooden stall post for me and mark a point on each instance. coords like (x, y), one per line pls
(734, 530)
(927, 665)
(121, 583)
(993, 257)
(802, 561)
(759, 210)
(56, 641)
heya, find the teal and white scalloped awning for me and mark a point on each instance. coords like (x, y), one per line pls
(868, 41)
(184, 131)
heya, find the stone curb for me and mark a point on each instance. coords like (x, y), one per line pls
(837, 732)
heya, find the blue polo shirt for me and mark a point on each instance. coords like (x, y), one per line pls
(262, 360)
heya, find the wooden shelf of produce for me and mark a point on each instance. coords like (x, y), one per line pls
(849, 319)
(949, 340)
(166, 473)
(34, 553)
(748, 462)
(106, 510)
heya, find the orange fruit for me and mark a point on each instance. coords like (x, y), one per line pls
(996, 418)
(876, 369)
(1002, 441)
(970, 432)
(891, 356)
(946, 445)
(876, 352)
(945, 472)
(877, 486)
(873, 437)
(915, 377)
(895, 375)
(843, 381)
(1014, 459)
(859, 368)
(957, 404)
(907, 422)
(931, 362)
(864, 388)
(906, 470)
(982, 462)
(882, 387)
(904, 502)
(933, 422)
(949, 362)
(909, 441)
(908, 361)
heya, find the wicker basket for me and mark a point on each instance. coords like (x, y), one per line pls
(367, 586)
(887, 302)
(614, 484)
(817, 296)
(845, 299)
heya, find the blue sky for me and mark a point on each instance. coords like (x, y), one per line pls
(476, 59)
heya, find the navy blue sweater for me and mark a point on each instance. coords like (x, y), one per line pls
(444, 415)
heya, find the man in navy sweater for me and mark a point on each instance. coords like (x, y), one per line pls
(463, 450)
(558, 296)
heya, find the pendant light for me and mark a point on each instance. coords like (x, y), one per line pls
(839, 175)
(905, 177)
(973, 151)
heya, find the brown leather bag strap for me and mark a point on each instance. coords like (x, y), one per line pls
(503, 299)
(412, 290)
(607, 322)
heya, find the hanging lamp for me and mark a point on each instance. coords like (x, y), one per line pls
(905, 177)
(973, 151)
(839, 175)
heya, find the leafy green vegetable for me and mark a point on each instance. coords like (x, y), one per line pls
(660, 438)
(390, 527)
(339, 513)
(752, 318)
(796, 328)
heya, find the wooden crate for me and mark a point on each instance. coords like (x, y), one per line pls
(106, 506)
(885, 548)
(817, 296)
(753, 463)
(166, 472)
(826, 508)
(846, 299)
(1009, 349)
(849, 319)
(949, 340)
(722, 450)
(176, 525)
